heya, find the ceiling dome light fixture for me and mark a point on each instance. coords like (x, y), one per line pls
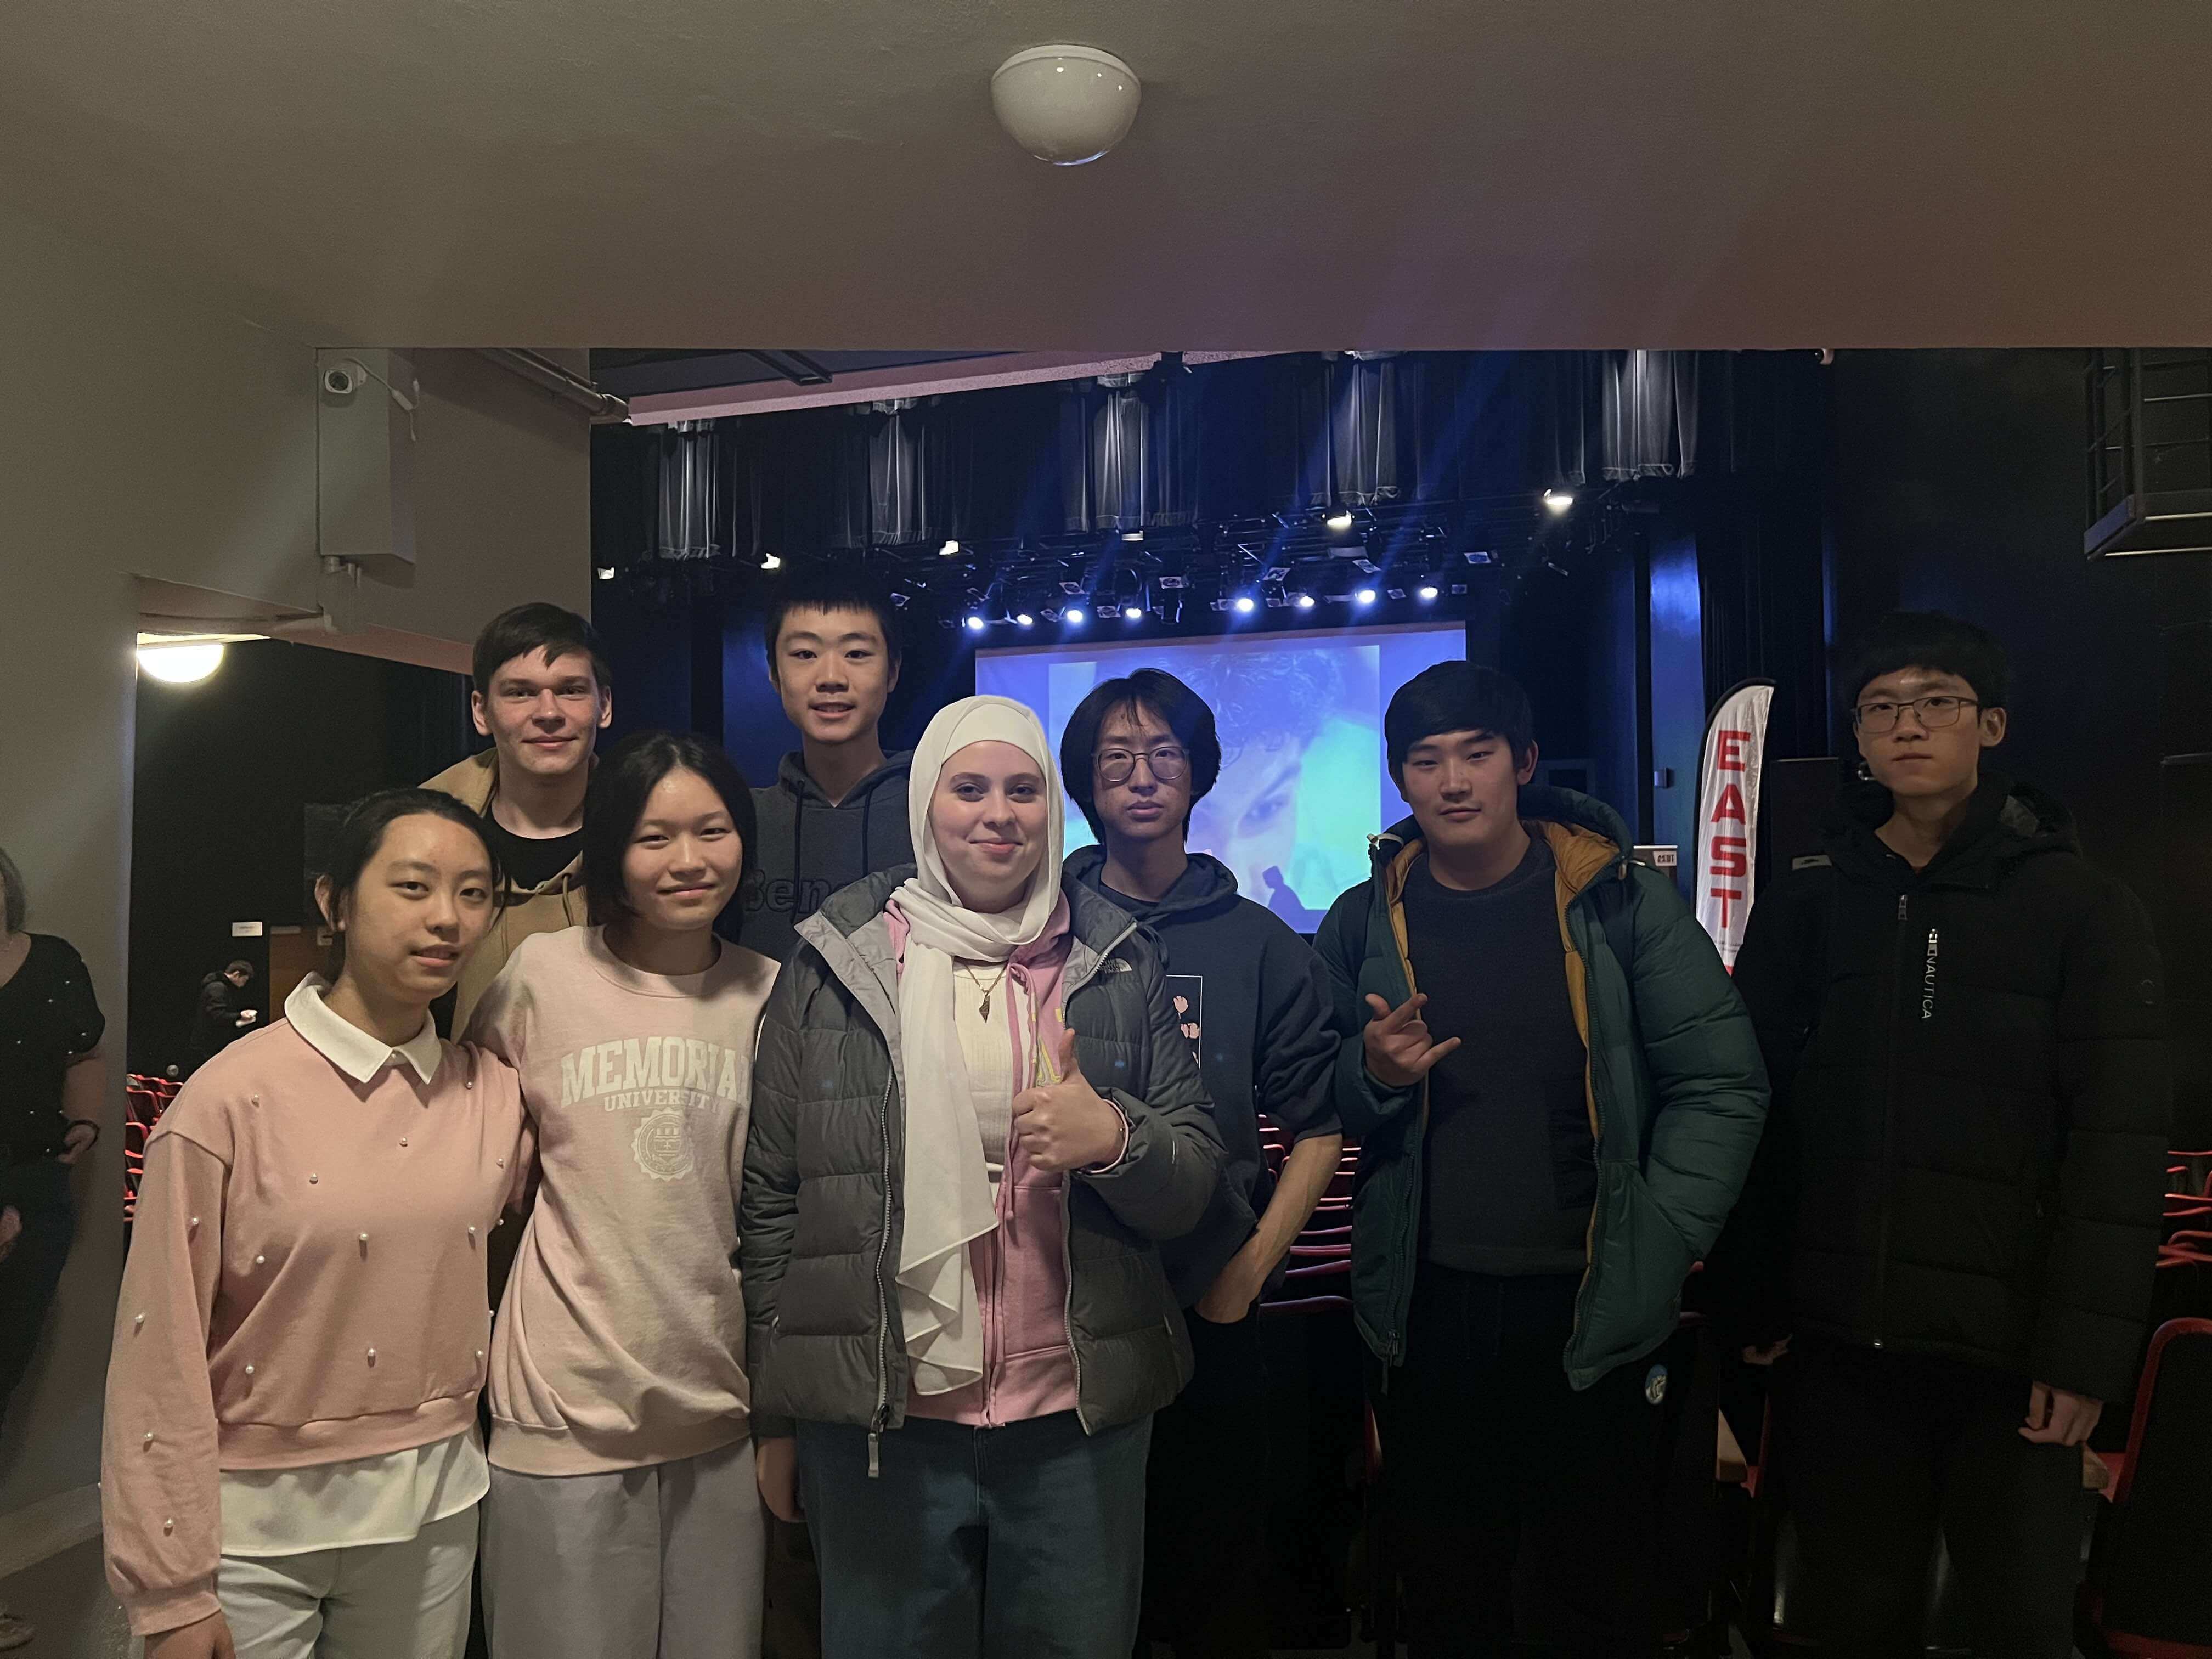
(975, 624)
(1364, 596)
(1066, 104)
(1427, 594)
(187, 663)
(1024, 619)
(1304, 601)
(1073, 616)
(1243, 604)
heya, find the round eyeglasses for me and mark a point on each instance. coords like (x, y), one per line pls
(1171, 763)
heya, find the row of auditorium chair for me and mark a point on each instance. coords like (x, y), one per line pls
(144, 1100)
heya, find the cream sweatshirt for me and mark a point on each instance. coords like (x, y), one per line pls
(621, 1339)
(305, 1286)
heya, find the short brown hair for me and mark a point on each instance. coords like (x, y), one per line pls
(531, 628)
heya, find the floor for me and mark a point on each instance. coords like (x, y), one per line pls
(67, 1598)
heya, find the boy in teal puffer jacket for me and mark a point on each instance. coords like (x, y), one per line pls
(1545, 1152)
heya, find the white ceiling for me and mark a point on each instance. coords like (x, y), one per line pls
(1305, 173)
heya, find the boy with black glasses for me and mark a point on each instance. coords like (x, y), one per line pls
(1954, 1215)
(1138, 755)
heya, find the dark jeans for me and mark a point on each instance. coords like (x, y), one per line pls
(1021, 1542)
(1878, 1450)
(39, 1192)
(1516, 1508)
(1205, 1501)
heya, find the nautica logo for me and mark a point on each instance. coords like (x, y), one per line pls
(1928, 980)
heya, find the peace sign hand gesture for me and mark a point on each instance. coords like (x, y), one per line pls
(1399, 1052)
(1065, 1124)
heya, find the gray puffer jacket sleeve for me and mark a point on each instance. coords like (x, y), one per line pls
(1162, 1186)
(767, 1203)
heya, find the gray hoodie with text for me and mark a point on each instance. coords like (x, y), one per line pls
(808, 847)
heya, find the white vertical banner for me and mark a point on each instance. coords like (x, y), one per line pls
(1728, 813)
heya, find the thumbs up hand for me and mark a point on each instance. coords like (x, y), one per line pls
(1063, 1123)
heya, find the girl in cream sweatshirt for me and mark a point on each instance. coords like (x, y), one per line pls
(291, 1465)
(622, 1519)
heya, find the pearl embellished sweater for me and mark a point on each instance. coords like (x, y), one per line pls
(305, 1286)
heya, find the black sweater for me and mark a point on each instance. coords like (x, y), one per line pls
(1964, 1155)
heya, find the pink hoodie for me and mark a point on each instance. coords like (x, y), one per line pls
(1021, 1266)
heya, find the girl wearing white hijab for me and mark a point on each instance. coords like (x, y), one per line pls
(974, 1114)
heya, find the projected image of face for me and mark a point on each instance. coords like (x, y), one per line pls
(1269, 708)
(1303, 783)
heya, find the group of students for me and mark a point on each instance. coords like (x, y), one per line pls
(929, 1213)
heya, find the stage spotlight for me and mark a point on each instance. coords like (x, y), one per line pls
(1132, 535)
(1133, 613)
(1073, 616)
(1304, 602)
(949, 551)
(1364, 596)
(771, 563)
(1243, 604)
(1427, 594)
(1559, 498)
(1340, 520)
(1022, 619)
(605, 573)
(975, 624)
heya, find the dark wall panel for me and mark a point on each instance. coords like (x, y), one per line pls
(224, 773)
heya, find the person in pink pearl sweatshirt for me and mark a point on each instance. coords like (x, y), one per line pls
(291, 1465)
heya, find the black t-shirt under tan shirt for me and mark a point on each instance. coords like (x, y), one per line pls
(1509, 1168)
(530, 862)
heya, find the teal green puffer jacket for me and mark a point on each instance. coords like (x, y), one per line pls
(1677, 1091)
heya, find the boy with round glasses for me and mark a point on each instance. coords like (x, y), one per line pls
(1137, 754)
(1952, 1223)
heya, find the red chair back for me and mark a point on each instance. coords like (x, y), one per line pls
(2146, 1589)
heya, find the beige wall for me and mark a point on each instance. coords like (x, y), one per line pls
(151, 429)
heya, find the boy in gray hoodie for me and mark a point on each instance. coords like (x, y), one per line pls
(837, 810)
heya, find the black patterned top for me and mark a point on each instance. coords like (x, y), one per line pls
(48, 1017)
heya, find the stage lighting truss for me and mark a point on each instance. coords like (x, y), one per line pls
(1296, 568)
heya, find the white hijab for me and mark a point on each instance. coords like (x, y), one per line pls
(948, 1198)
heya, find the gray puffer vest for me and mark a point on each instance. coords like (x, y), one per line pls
(820, 1219)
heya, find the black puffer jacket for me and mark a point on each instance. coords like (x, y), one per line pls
(1971, 1097)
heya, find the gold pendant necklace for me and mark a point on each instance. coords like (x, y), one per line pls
(987, 990)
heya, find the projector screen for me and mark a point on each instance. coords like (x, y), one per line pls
(1303, 783)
